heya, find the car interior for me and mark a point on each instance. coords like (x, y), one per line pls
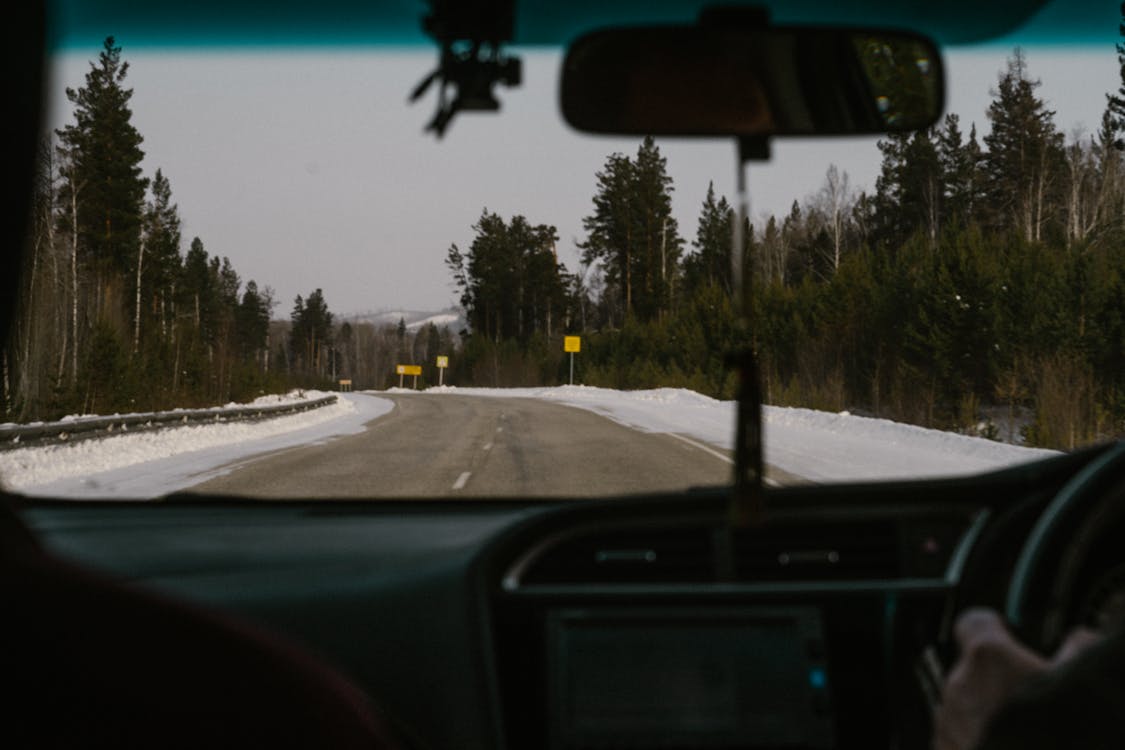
(739, 616)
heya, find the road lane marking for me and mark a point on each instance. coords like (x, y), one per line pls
(701, 447)
(487, 446)
(716, 454)
(461, 480)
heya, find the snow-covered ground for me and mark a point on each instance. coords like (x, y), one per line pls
(153, 463)
(817, 446)
(415, 320)
(273, 399)
(814, 445)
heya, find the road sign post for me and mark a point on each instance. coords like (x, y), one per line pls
(572, 344)
(442, 363)
(414, 370)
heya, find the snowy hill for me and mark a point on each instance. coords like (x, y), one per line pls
(450, 318)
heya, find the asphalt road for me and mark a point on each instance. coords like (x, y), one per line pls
(435, 445)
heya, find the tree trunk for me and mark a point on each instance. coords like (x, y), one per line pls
(24, 378)
(137, 298)
(74, 284)
(628, 272)
(6, 383)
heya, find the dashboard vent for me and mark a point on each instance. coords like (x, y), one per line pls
(638, 555)
(785, 551)
(846, 551)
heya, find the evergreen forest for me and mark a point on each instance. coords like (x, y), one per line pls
(979, 287)
(981, 277)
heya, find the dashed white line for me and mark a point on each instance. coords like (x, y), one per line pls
(461, 480)
(701, 447)
(486, 447)
(716, 454)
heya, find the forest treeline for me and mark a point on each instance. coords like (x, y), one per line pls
(982, 275)
(113, 315)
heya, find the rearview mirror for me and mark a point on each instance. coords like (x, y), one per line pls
(717, 81)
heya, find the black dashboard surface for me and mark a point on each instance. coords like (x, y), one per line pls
(441, 610)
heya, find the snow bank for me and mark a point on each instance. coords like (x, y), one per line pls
(274, 399)
(814, 445)
(153, 463)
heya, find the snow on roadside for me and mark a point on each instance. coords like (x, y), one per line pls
(274, 399)
(814, 445)
(818, 446)
(153, 463)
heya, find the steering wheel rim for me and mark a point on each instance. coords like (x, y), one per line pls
(1070, 503)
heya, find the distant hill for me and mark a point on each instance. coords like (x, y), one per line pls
(451, 318)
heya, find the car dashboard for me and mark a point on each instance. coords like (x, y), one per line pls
(637, 622)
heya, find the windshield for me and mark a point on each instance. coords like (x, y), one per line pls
(516, 309)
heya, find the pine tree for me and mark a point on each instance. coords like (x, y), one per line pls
(659, 242)
(710, 264)
(195, 290)
(252, 323)
(1022, 165)
(910, 189)
(1115, 103)
(887, 225)
(1110, 174)
(512, 285)
(775, 253)
(106, 155)
(609, 228)
(162, 263)
(1111, 141)
(633, 234)
(310, 335)
(959, 162)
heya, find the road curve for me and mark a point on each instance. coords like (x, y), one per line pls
(435, 445)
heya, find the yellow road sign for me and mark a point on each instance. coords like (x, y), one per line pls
(572, 344)
(443, 361)
(408, 370)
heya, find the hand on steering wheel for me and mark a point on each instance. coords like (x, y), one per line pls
(991, 666)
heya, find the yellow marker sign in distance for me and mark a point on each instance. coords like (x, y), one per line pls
(412, 369)
(572, 344)
(400, 369)
(443, 361)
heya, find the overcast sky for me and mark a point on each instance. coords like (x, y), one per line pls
(311, 170)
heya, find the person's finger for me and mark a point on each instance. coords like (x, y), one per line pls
(955, 721)
(975, 623)
(1077, 641)
(991, 663)
(984, 639)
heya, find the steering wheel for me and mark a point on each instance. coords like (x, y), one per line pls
(1039, 606)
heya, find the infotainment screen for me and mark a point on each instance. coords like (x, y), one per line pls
(680, 678)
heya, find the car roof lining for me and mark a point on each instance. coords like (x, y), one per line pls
(252, 23)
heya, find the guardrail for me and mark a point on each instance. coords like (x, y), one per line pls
(84, 428)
